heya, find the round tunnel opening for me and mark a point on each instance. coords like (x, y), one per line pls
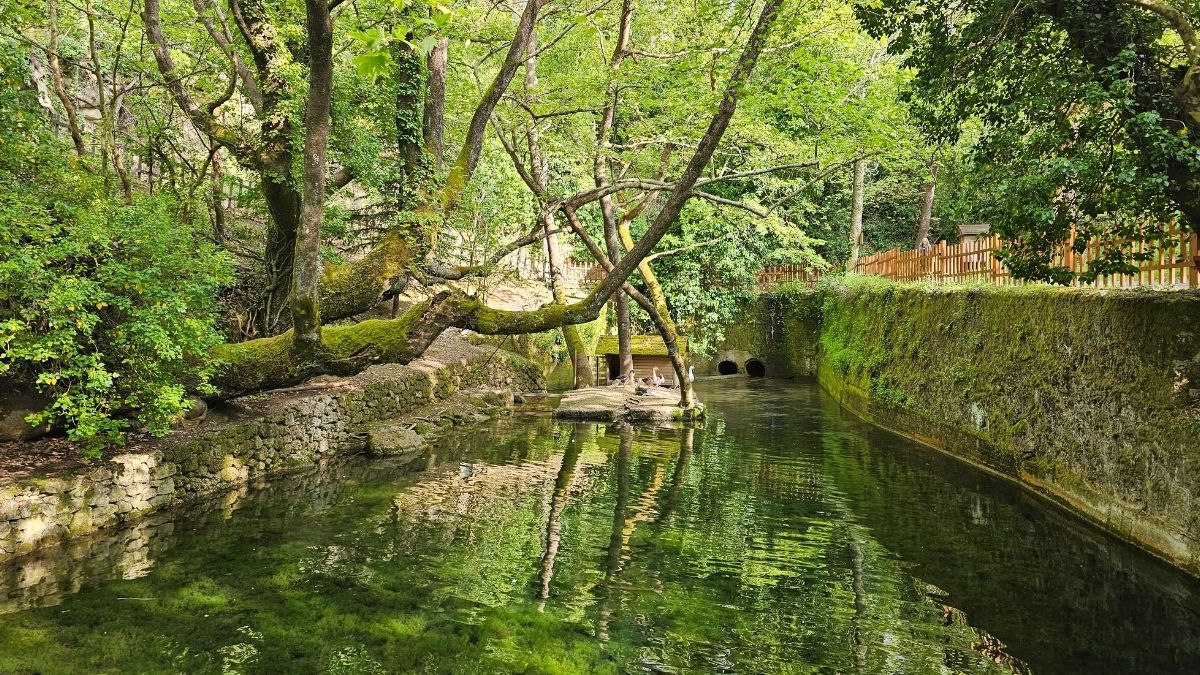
(727, 367)
(755, 368)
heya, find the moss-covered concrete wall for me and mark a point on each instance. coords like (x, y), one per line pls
(1091, 398)
(780, 330)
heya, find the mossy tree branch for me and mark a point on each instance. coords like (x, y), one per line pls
(268, 363)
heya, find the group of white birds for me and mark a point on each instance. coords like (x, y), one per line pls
(654, 380)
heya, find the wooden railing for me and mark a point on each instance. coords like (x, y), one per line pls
(770, 277)
(574, 273)
(1173, 264)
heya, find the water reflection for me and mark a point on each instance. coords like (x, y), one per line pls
(782, 536)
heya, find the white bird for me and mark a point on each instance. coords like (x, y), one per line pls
(657, 379)
(691, 377)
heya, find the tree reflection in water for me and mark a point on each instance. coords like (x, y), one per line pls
(781, 536)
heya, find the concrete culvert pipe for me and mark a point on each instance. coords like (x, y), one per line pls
(755, 368)
(727, 367)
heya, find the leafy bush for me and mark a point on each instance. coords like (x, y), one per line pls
(107, 309)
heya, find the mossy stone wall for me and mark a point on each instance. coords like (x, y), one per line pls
(297, 431)
(1091, 398)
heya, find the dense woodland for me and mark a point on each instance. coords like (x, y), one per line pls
(219, 197)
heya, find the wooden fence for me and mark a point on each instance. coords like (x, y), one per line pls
(770, 277)
(574, 273)
(1173, 264)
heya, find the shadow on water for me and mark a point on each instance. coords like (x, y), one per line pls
(782, 536)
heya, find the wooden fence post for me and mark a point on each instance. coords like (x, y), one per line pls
(1194, 273)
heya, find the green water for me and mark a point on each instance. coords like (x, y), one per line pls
(781, 537)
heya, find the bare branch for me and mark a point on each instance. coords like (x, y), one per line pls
(225, 42)
(468, 156)
(681, 249)
(200, 117)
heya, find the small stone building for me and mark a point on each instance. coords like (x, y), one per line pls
(649, 352)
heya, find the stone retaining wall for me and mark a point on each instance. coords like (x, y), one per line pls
(262, 437)
(129, 549)
(1091, 398)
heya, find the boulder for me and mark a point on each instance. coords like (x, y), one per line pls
(393, 439)
(13, 411)
(198, 410)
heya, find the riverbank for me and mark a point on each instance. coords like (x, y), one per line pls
(1090, 398)
(649, 405)
(259, 436)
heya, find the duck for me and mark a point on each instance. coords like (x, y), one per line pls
(657, 379)
(690, 377)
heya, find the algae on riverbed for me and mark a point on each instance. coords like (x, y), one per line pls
(782, 536)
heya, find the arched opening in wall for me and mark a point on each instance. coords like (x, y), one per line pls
(727, 367)
(755, 368)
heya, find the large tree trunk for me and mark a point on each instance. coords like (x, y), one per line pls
(269, 155)
(408, 120)
(305, 301)
(434, 115)
(926, 220)
(856, 213)
(283, 205)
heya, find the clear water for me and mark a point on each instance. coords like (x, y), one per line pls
(783, 536)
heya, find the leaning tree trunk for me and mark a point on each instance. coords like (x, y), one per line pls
(660, 314)
(856, 213)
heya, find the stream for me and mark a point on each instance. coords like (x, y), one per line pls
(780, 536)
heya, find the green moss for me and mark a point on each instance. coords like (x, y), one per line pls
(386, 339)
(1083, 388)
(640, 345)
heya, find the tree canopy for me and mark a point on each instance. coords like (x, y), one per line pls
(216, 197)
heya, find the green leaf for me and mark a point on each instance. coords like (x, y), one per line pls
(427, 44)
(372, 64)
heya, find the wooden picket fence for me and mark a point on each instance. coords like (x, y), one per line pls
(1174, 264)
(770, 277)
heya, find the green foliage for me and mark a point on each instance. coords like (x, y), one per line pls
(108, 309)
(1075, 118)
